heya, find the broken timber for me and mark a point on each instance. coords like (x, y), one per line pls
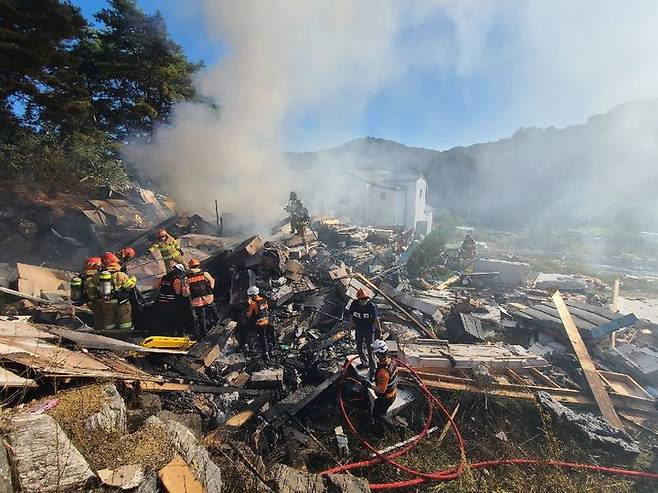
(208, 349)
(425, 330)
(278, 414)
(149, 386)
(591, 374)
(526, 390)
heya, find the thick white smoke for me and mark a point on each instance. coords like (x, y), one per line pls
(329, 58)
(283, 58)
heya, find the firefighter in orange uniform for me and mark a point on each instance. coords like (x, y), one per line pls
(386, 380)
(258, 314)
(201, 288)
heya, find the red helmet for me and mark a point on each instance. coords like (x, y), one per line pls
(361, 294)
(93, 263)
(128, 253)
(109, 259)
(193, 263)
(162, 233)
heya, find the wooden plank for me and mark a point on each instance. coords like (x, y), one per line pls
(177, 477)
(208, 349)
(426, 331)
(10, 379)
(150, 386)
(512, 391)
(624, 384)
(591, 374)
(543, 378)
(90, 340)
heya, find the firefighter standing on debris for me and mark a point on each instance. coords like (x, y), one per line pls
(386, 380)
(84, 289)
(201, 286)
(365, 323)
(169, 248)
(259, 315)
(172, 304)
(114, 288)
(299, 217)
(468, 252)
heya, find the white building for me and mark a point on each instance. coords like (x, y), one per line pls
(386, 199)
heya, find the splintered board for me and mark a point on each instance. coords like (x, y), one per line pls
(594, 380)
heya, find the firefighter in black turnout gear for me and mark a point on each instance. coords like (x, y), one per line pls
(173, 308)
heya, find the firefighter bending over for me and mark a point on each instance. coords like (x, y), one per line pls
(386, 380)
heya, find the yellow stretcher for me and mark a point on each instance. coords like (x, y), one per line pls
(166, 342)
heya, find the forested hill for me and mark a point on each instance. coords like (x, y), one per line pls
(604, 172)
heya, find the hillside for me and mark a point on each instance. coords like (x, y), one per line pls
(603, 171)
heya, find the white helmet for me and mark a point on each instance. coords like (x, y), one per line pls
(379, 346)
(253, 291)
(179, 267)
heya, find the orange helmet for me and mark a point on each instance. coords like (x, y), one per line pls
(109, 259)
(93, 263)
(162, 234)
(361, 294)
(193, 263)
(128, 253)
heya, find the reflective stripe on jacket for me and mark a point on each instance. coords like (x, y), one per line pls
(169, 249)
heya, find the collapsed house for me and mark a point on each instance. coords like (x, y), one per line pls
(148, 419)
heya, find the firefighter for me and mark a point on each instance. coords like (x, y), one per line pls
(386, 380)
(84, 289)
(468, 252)
(172, 302)
(365, 323)
(259, 316)
(201, 286)
(169, 248)
(115, 288)
(299, 217)
(126, 255)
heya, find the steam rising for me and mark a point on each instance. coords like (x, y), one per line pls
(329, 58)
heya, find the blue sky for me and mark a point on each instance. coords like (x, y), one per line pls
(520, 67)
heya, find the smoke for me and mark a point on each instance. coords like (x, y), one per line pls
(310, 68)
(284, 60)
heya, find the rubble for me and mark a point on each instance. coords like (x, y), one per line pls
(112, 415)
(596, 431)
(166, 415)
(33, 438)
(125, 477)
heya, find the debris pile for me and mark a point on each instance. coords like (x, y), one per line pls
(219, 412)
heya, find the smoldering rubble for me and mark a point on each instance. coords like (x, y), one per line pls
(215, 415)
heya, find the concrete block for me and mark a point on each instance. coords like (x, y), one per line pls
(44, 459)
(112, 416)
(509, 273)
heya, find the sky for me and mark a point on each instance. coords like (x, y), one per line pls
(465, 72)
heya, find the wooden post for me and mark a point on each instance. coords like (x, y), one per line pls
(614, 306)
(591, 374)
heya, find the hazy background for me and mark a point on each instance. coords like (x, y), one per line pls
(302, 75)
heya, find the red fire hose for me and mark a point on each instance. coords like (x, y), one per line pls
(454, 472)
